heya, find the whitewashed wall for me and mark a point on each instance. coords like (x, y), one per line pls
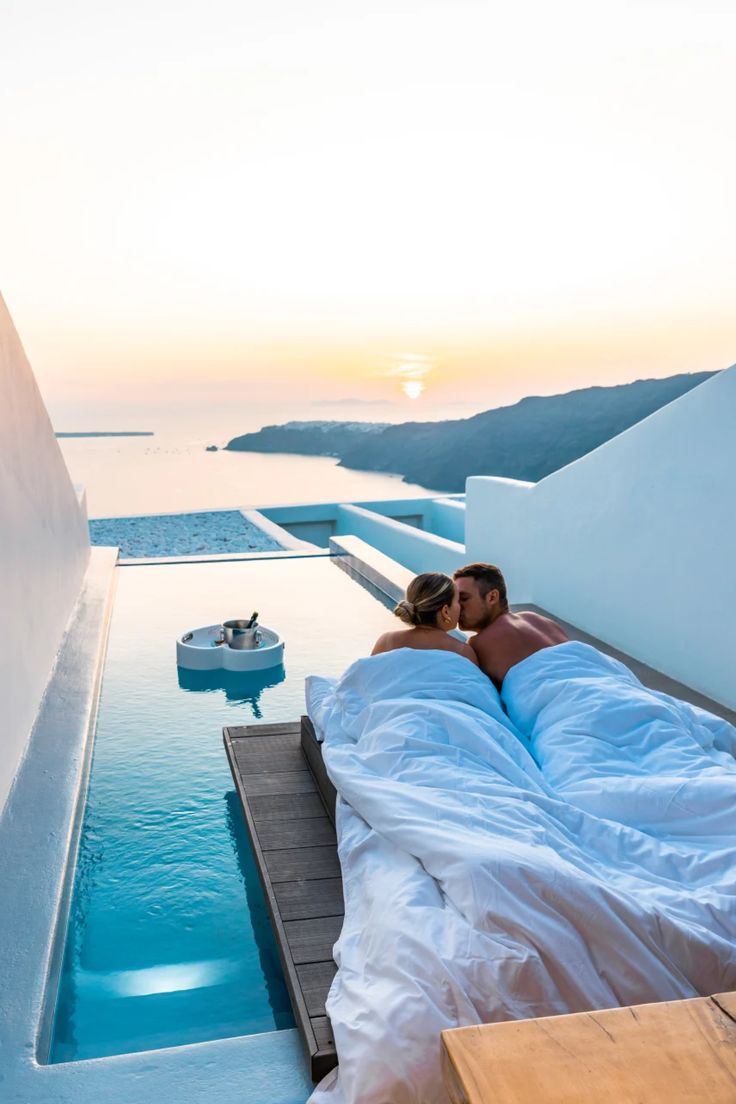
(44, 548)
(446, 518)
(635, 542)
(412, 548)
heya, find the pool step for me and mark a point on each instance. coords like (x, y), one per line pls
(289, 808)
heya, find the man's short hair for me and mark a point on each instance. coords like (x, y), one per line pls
(487, 576)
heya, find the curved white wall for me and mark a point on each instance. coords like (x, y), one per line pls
(635, 542)
(44, 548)
(412, 548)
(446, 518)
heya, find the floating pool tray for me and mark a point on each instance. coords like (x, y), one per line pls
(199, 652)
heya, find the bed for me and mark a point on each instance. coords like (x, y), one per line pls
(571, 847)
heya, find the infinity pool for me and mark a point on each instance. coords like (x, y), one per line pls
(169, 940)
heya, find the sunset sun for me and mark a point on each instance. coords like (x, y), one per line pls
(412, 388)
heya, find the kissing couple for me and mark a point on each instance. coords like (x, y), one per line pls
(475, 600)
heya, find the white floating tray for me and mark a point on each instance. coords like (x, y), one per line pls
(199, 653)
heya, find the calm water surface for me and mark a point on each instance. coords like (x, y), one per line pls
(172, 470)
(169, 940)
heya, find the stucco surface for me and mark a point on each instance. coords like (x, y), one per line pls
(634, 542)
(43, 551)
(447, 518)
(413, 548)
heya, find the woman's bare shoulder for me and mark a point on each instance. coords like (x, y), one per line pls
(388, 641)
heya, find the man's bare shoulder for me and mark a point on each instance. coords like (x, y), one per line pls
(483, 641)
(541, 621)
(534, 617)
(496, 630)
(468, 651)
(514, 626)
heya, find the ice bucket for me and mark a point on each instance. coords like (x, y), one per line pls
(239, 634)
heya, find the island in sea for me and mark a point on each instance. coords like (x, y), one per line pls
(528, 440)
(109, 433)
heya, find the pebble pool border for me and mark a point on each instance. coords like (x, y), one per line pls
(209, 533)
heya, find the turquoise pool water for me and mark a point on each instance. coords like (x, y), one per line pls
(169, 940)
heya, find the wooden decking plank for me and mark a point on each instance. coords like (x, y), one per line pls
(278, 834)
(304, 899)
(323, 1060)
(276, 742)
(322, 1031)
(302, 1012)
(282, 782)
(315, 979)
(277, 807)
(236, 732)
(264, 760)
(313, 940)
(295, 863)
(313, 752)
(295, 849)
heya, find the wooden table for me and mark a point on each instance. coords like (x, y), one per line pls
(674, 1052)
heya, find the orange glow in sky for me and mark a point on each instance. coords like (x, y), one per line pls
(428, 199)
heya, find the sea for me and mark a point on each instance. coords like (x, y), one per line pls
(172, 471)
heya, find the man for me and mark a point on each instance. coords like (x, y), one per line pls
(503, 638)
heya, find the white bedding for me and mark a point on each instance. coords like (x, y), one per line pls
(318, 692)
(479, 887)
(609, 745)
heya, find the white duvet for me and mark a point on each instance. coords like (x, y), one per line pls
(483, 885)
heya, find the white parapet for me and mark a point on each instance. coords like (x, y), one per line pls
(44, 548)
(447, 518)
(635, 542)
(416, 549)
(276, 532)
(497, 512)
(364, 562)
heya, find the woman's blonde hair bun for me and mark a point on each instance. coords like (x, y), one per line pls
(406, 611)
(425, 597)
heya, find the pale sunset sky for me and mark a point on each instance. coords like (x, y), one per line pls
(455, 201)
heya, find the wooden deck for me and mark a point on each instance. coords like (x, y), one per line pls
(289, 808)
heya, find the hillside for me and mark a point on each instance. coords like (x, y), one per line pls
(307, 438)
(528, 440)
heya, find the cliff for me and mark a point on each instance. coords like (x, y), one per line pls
(528, 440)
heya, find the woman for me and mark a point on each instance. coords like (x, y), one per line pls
(431, 609)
